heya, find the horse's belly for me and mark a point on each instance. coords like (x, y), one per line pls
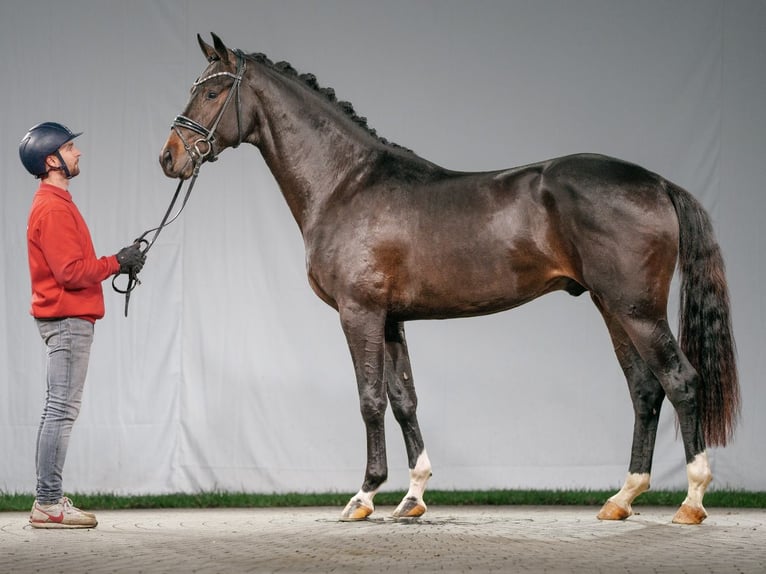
(465, 294)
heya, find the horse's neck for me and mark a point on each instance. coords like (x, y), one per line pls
(311, 147)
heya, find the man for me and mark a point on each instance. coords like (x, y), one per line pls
(67, 299)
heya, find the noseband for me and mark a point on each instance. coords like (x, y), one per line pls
(196, 154)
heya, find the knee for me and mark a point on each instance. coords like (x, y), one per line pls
(60, 411)
(373, 408)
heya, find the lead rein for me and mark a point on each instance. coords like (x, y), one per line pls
(133, 280)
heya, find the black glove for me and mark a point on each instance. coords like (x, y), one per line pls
(131, 259)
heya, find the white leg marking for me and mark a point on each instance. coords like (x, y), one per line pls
(419, 476)
(634, 485)
(412, 504)
(699, 474)
(359, 507)
(366, 498)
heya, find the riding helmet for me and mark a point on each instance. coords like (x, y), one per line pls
(41, 141)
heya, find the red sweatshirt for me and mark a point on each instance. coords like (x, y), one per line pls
(66, 274)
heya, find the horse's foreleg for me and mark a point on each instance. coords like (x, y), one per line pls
(647, 396)
(364, 333)
(404, 402)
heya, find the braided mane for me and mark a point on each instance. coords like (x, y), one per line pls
(310, 81)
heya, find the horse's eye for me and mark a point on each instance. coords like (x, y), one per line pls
(211, 95)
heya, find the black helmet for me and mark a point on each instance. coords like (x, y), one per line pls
(41, 141)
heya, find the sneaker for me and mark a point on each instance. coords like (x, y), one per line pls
(60, 515)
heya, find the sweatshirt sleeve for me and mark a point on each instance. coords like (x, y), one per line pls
(71, 260)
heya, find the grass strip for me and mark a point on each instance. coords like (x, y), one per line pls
(716, 498)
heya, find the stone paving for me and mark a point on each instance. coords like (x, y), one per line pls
(446, 539)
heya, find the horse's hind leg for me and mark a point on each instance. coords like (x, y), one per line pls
(647, 396)
(657, 346)
(404, 403)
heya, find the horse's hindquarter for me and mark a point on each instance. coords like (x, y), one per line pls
(621, 226)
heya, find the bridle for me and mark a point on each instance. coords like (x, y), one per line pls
(196, 156)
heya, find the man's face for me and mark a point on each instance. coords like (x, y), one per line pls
(71, 156)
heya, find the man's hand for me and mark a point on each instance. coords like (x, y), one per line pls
(131, 258)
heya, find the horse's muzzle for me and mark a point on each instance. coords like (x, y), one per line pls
(174, 160)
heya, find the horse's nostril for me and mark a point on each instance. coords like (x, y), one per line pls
(166, 158)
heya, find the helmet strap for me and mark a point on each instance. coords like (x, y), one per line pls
(61, 167)
(64, 168)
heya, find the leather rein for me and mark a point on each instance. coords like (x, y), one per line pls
(197, 155)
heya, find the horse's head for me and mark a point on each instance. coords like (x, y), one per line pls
(212, 120)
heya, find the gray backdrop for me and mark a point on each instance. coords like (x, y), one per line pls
(230, 374)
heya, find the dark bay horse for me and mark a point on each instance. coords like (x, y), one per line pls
(391, 237)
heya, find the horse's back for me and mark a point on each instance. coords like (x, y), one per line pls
(458, 244)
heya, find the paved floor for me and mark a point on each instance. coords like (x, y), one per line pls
(446, 539)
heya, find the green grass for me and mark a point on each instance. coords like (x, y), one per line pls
(718, 498)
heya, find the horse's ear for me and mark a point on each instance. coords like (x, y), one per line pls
(220, 49)
(207, 49)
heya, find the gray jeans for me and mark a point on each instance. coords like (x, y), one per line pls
(68, 344)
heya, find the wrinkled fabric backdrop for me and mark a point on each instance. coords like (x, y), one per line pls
(230, 374)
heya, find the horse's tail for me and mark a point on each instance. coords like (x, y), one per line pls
(705, 332)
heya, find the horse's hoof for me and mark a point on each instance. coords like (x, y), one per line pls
(410, 507)
(355, 510)
(613, 511)
(689, 515)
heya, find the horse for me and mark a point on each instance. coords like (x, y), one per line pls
(391, 237)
